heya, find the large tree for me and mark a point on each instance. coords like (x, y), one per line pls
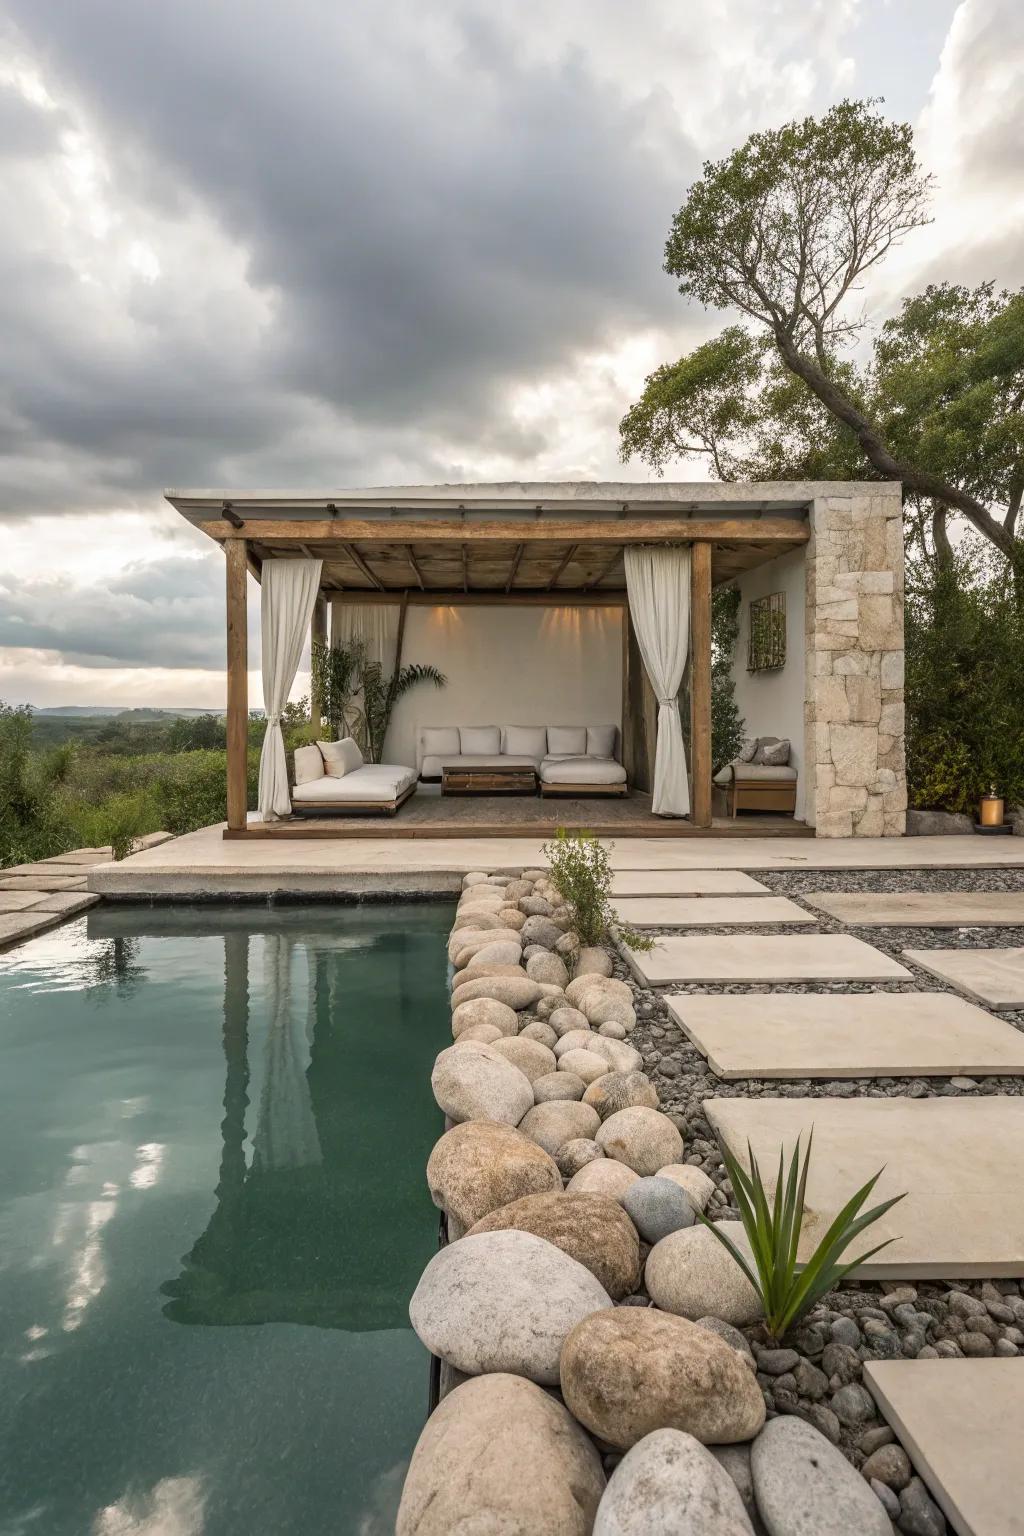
(785, 230)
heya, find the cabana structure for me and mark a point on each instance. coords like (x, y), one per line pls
(591, 602)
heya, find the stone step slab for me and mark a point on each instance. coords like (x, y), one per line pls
(994, 977)
(65, 903)
(954, 1159)
(686, 882)
(709, 911)
(922, 909)
(18, 926)
(827, 1035)
(961, 1422)
(43, 883)
(17, 901)
(764, 958)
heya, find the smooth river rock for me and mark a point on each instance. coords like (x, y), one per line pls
(621, 1090)
(539, 1031)
(644, 1139)
(694, 1180)
(467, 941)
(669, 1485)
(620, 1057)
(576, 1154)
(503, 1301)
(532, 1059)
(573, 1039)
(592, 1229)
(804, 1486)
(602, 1177)
(564, 1019)
(487, 1033)
(551, 1125)
(657, 1207)
(608, 986)
(593, 962)
(692, 1275)
(548, 967)
(485, 1010)
(472, 1081)
(467, 1471)
(540, 930)
(586, 1064)
(632, 1370)
(517, 991)
(498, 952)
(479, 1166)
(558, 1085)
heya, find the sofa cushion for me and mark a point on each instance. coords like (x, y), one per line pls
(746, 752)
(564, 740)
(756, 773)
(582, 770)
(439, 739)
(341, 757)
(309, 764)
(524, 741)
(479, 738)
(374, 782)
(601, 740)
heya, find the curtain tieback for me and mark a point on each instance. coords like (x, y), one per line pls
(273, 719)
(668, 703)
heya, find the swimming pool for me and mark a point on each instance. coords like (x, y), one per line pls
(214, 1123)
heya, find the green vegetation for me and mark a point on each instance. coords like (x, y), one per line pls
(788, 1289)
(357, 698)
(580, 870)
(727, 728)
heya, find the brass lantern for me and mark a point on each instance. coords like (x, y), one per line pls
(990, 810)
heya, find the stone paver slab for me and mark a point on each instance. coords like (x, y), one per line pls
(961, 1423)
(17, 901)
(81, 856)
(24, 925)
(994, 977)
(709, 911)
(764, 958)
(923, 909)
(686, 882)
(65, 902)
(954, 1159)
(43, 883)
(877, 1034)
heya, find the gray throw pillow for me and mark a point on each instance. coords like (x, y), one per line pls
(746, 754)
(773, 754)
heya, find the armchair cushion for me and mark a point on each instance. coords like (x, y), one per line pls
(524, 741)
(341, 757)
(567, 741)
(479, 739)
(601, 740)
(309, 764)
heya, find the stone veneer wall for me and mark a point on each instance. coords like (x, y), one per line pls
(853, 709)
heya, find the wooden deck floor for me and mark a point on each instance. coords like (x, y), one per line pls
(520, 816)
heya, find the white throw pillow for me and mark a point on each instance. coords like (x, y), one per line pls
(309, 764)
(524, 741)
(341, 757)
(439, 741)
(601, 740)
(479, 740)
(567, 740)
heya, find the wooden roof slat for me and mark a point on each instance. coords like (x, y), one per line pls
(566, 558)
(360, 563)
(410, 556)
(517, 558)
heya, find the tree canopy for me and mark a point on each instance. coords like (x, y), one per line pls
(785, 230)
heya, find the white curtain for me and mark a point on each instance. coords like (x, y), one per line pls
(376, 624)
(288, 590)
(286, 1134)
(658, 586)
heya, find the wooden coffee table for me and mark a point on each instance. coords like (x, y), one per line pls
(488, 781)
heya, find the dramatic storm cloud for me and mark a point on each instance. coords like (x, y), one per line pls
(318, 245)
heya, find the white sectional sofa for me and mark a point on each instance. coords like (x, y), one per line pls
(331, 776)
(568, 759)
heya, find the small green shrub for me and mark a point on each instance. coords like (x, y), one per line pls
(787, 1288)
(580, 870)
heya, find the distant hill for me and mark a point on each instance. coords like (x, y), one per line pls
(115, 712)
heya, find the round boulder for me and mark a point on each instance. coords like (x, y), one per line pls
(693, 1275)
(532, 1058)
(474, 877)
(542, 1033)
(657, 1207)
(485, 1034)
(558, 1085)
(644, 1139)
(804, 1483)
(467, 942)
(515, 890)
(511, 917)
(563, 1020)
(466, 1472)
(573, 1040)
(592, 1229)
(485, 1010)
(472, 1081)
(467, 922)
(669, 1485)
(613, 1031)
(585, 1064)
(620, 1057)
(576, 1154)
(602, 1177)
(621, 1090)
(516, 991)
(498, 952)
(628, 1372)
(551, 1125)
(478, 1166)
(503, 1301)
(593, 962)
(608, 986)
(547, 967)
(694, 1180)
(540, 930)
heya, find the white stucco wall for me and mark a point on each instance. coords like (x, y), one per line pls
(510, 666)
(772, 703)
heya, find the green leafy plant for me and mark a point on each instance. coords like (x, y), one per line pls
(787, 1288)
(580, 870)
(381, 694)
(335, 672)
(728, 732)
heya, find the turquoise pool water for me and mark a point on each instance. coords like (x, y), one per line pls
(213, 1129)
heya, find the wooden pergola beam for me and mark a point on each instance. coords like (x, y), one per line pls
(410, 556)
(493, 597)
(588, 586)
(620, 531)
(517, 557)
(465, 569)
(562, 564)
(360, 564)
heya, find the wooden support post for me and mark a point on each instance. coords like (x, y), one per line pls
(700, 682)
(238, 684)
(317, 636)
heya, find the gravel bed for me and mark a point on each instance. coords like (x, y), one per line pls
(786, 882)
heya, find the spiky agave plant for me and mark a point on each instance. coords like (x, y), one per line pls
(787, 1288)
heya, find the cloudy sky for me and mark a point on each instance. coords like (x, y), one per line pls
(250, 244)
